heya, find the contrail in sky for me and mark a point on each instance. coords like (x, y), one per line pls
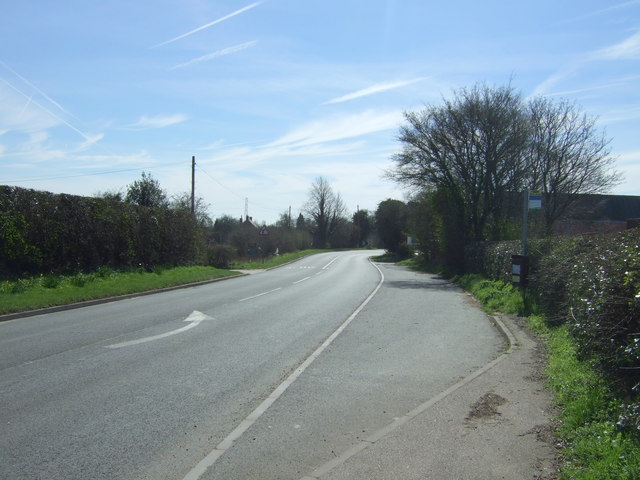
(216, 54)
(47, 97)
(377, 88)
(226, 17)
(30, 99)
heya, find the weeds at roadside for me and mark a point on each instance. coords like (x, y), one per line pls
(593, 446)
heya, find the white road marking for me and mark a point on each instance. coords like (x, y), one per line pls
(400, 421)
(227, 443)
(260, 294)
(302, 280)
(194, 318)
(329, 264)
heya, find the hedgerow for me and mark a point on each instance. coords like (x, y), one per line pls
(592, 285)
(41, 232)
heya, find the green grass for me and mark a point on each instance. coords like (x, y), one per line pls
(52, 290)
(593, 448)
(274, 261)
(495, 296)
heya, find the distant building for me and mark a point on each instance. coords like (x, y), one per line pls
(599, 214)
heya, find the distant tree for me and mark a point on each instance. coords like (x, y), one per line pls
(111, 195)
(146, 192)
(301, 223)
(391, 222)
(325, 208)
(568, 156)
(224, 227)
(473, 147)
(363, 224)
(285, 221)
(183, 202)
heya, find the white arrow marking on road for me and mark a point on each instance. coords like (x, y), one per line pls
(194, 318)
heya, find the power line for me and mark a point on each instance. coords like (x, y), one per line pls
(108, 172)
(261, 207)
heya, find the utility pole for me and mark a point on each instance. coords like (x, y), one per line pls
(525, 222)
(193, 185)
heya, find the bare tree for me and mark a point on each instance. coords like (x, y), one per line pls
(325, 209)
(567, 156)
(472, 147)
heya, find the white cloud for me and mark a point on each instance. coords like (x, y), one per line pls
(603, 11)
(159, 121)
(628, 49)
(139, 159)
(377, 88)
(216, 54)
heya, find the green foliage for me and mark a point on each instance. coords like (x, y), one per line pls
(275, 260)
(595, 447)
(605, 307)
(591, 285)
(495, 295)
(42, 233)
(50, 290)
(51, 281)
(391, 222)
(596, 443)
(146, 192)
(221, 256)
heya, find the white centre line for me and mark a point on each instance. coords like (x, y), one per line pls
(244, 425)
(329, 264)
(302, 280)
(260, 294)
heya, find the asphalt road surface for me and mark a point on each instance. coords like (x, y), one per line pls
(264, 376)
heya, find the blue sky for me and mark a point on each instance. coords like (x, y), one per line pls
(269, 95)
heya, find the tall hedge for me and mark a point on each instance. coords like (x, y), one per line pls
(592, 284)
(41, 232)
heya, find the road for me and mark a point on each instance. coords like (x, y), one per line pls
(264, 376)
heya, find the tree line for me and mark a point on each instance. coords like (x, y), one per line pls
(462, 162)
(42, 232)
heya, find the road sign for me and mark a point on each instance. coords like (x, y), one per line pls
(535, 201)
(263, 231)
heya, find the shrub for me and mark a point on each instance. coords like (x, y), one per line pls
(51, 281)
(46, 233)
(221, 256)
(592, 285)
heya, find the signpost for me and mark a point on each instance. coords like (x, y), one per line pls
(520, 263)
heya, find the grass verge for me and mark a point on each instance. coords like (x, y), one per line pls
(274, 261)
(593, 448)
(53, 290)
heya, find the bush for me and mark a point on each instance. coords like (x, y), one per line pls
(63, 234)
(592, 285)
(221, 256)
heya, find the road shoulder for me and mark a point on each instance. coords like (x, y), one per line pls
(498, 424)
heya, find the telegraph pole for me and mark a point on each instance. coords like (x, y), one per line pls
(193, 185)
